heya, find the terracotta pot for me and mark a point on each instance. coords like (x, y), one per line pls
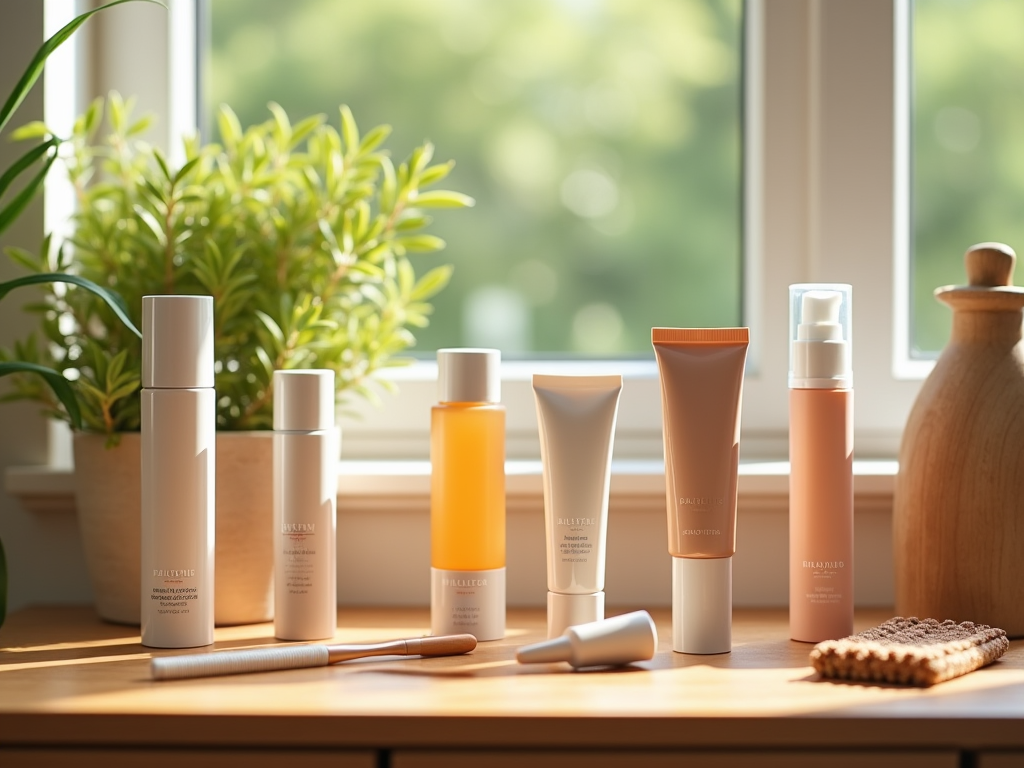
(108, 493)
(958, 520)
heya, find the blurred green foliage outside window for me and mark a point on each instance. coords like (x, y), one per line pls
(968, 146)
(600, 138)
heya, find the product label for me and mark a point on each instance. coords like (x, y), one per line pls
(701, 503)
(576, 544)
(299, 556)
(171, 594)
(468, 601)
(824, 573)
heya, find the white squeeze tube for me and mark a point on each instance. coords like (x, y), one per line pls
(178, 444)
(305, 505)
(576, 415)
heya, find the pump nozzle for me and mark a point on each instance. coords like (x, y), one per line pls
(821, 313)
(618, 640)
(820, 336)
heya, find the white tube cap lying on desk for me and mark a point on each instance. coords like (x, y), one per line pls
(618, 640)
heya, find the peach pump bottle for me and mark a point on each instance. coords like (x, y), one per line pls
(467, 496)
(821, 463)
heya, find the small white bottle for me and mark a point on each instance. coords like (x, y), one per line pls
(178, 445)
(306, 444)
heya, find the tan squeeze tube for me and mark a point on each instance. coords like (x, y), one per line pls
(701, 373)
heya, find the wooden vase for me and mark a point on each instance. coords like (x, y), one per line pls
(958, 523)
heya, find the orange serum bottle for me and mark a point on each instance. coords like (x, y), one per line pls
(821, 463)
(467, 496)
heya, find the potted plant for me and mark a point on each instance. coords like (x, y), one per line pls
(302, 233)
(40, 158)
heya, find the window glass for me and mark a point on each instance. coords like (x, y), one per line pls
(968, 155)
(600, 138)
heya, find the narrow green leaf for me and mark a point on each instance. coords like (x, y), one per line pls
(124, 390)
(141, 125)
(115, 368)
(349, 131)
(93, 116)
(154, 190)
(443, 199)
(435, 173)
(25, 161)
(184, 170)
(282, 123)
(14, 208)
(61, 387)
(112, 300)
(304, 128)
(409, 223)
(421, 243)
(35, 130)
(35, 67)
(27, 259)
(230, 128)
(271, 325)
(374, 139)
(115, 109)
(265, 361)
(406, 278)
(388, 187)
(431, 283)
(163, 164)
(153, 225)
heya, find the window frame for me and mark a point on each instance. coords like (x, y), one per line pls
(826, 194)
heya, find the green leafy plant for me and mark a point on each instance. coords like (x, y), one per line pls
(301, 232)
(41, 157)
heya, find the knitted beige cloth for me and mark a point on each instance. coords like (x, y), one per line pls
(910, 651)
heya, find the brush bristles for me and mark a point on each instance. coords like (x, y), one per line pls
(239, 662)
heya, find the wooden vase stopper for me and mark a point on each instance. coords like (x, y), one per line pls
(958, 519)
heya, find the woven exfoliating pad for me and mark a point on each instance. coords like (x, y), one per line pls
(910, 651)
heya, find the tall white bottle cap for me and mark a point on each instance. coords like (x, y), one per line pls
(702, 605)
(566, 611)
(618, 640)
(177, 342)
(820, 318)
(469, 375)
(303, 400)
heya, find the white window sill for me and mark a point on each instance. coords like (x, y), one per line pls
(404, 485)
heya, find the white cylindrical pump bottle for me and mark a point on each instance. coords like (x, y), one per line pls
(178, 445)
(821, 463)
(306, 445)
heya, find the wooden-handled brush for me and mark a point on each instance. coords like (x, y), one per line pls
(298, 656)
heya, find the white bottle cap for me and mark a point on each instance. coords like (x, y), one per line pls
(618, 640)
(566, 611)
(303, 400)
(820, 319)
(177, 342)
(469, 375)
(701, 605)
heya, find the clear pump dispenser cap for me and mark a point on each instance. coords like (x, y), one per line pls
(468, 375)
(820, 325)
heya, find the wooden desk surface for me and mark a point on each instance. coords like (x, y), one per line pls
(68, 679)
